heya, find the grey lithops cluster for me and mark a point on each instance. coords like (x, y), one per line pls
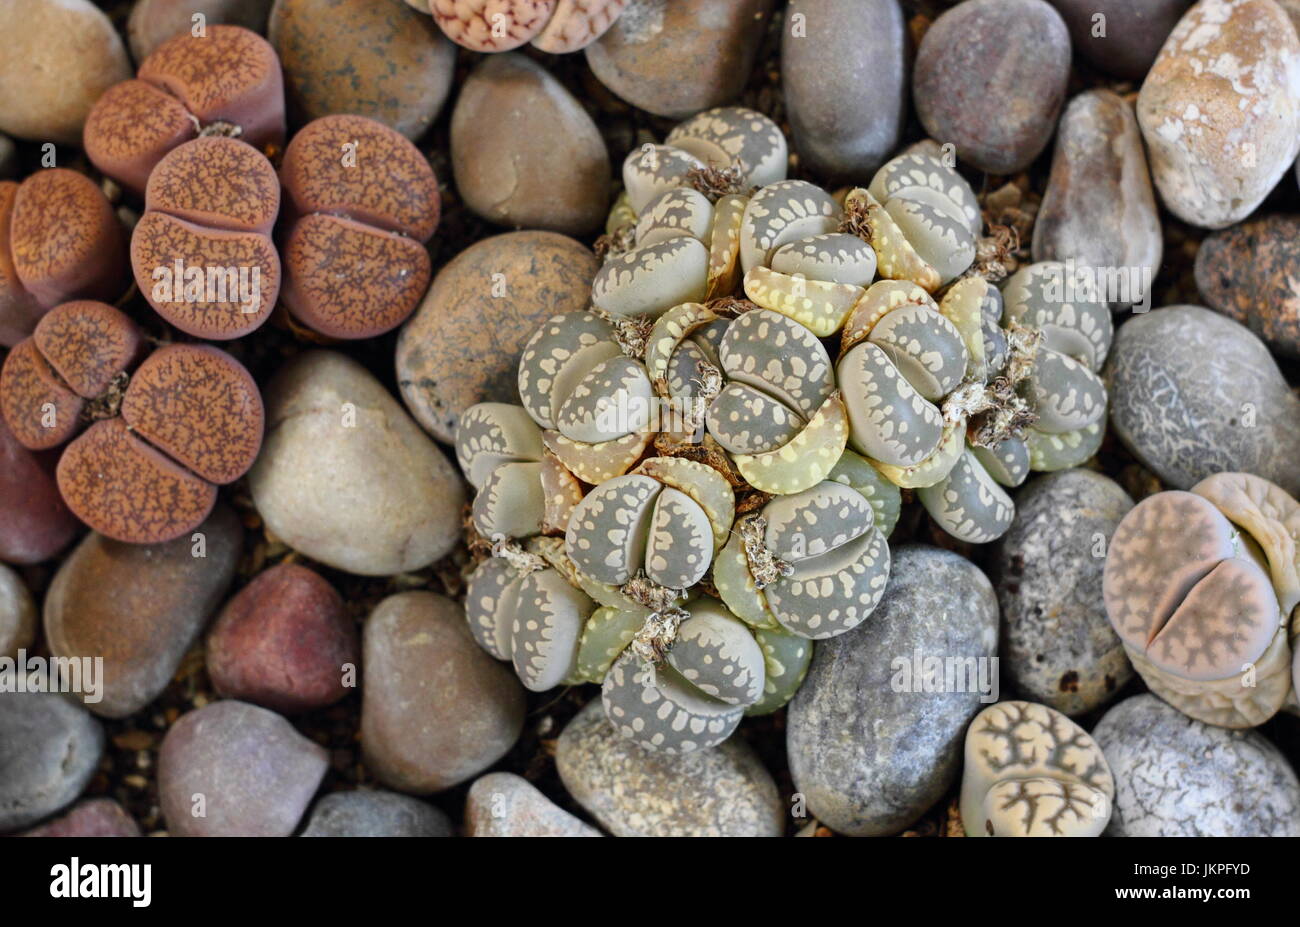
(1032, 772)
(1200, 587)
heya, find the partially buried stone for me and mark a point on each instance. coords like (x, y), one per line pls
(1251, 273)
(139, 607)
(153, 22)
(1120, 37)
(505, 805)
(17, 613)
(990, 78)
(34, 522)
(49, 748)
(93, 817)
(724, 791)
(231, 769)
(1058, 647)
(1175, 777)
(375, 813)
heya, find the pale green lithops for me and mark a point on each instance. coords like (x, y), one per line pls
(813, 563)
(1032, 772)
(1191, 596)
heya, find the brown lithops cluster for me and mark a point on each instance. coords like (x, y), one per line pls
(224, 82)
(360, 202)
(159, 440)
(555, 26)
(60, 241)
(202, 252)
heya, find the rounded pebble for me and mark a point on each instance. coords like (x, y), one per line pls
(17, 614)
(505, 805)
(375, 813)
(93, 817)
(1126, 38)
(49, 748)
(1251, 273)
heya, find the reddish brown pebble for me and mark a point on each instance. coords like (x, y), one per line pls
(285, 642)
(123, 488)
(361, 201)
(34, 523)
(491, 25)
(226, 82)
(202, 254)
(94, 817)
(65, 241)
(1251, 272)
(199, 406)
(18, 308)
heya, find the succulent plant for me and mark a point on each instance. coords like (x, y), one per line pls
(554, 26)
(157, 441)
(358, 196)
(1200, 586)
(1032, 772)
(225, 82)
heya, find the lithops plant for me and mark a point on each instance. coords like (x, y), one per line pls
(360, 202)
(1032, 772)
(1200, 587)
(226, 81)
(157, 441)
(554, 26)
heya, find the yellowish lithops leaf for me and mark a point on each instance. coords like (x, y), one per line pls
(806, 459)
(1060, 452)
(669, 330)
(724, 245)
(735, 583)
(962, 306)
(595, 463)
(896, 259)
(606, 635)
(881, 298)
(935, 467)
(561, 491)
(818, 305)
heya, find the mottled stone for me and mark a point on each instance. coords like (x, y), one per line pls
(462, 346)
(524, 152)
(94, 817)
(1099, 210)
(34, 523)
(374, 58)
(153, 22)
(868, 747)
(140, 606)
(1127, 38)
(1057, 645)
(1220, 111)
(49, 748)
(678, 57)
(284, 641)
(231, 769)
(990, 78)
(375, 813)
(1175, 777)
(345, 475)
(60, 55)
(828, 57)
(1193, 393)
(1251, 273)
(436, 709)
(17, 614)
(505, 805)
(723, 791)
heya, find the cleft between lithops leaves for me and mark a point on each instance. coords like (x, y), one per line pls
(521, 561)
(108, 403)
(764, 565)
(717, 182)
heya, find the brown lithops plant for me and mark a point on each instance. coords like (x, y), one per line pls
(161, 439)
(191, 419)
(361, 201)
(202, 252)
(62, 242)
(225, 82)
(491, 25)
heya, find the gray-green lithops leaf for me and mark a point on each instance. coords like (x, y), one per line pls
(885, 498)
(733, 136)
(836, 257)
(968, 503)
(815, 521)
(1008, 462)
(889, 420)
(1066, 395)
(680, 544)
(747, 421)
(652, 278)
(564, 342)
(780, 357)
(609, 528)
(661, 711)
(1048, 452)
(940, 239)
(908, 174)
(1064, 304)
(683, 211)
(604, 637)
(611, 401)
(834, 592)
(718, 655)
(549, 617)
(652, 169)
(511, 503)
(490, 601)
(785, 659)
(925, 347)
(492, 433)
(781, 213)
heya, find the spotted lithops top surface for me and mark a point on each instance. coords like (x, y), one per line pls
(1030, 770)
(656, 707)
(652, 278)
(718, 655)
(968, 503)
(681, 211)
(653, 169)
(834, 257)
(777, 356)
(1182, 589)
(910, 176)
(611, 401)
(575, 24)
(491, 25)
(1064, 303)
(939, 237)
(492, 433)
(782, 213)
(733, 136)
(558, 355)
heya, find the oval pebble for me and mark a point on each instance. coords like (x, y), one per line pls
(505, 805)
(49, 748)
(375, 813)
(1251, 273)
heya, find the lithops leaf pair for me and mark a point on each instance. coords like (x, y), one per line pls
(813, 563)
(1193, 596)
(663, 521)
(1032, 772)
(554, 26)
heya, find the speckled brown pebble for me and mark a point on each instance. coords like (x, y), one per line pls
(231, 769)
(34, 522)
(1129, 37)
(58, 58)
(153, 22)
(140, 607)
(436, 708)
(285, 642)
(93, 817)
(990, 78)
(502, 804)
(680, 57)
(1251, 272)
(524, 152)
(17, 613)
(462, 346)
(374, 58)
